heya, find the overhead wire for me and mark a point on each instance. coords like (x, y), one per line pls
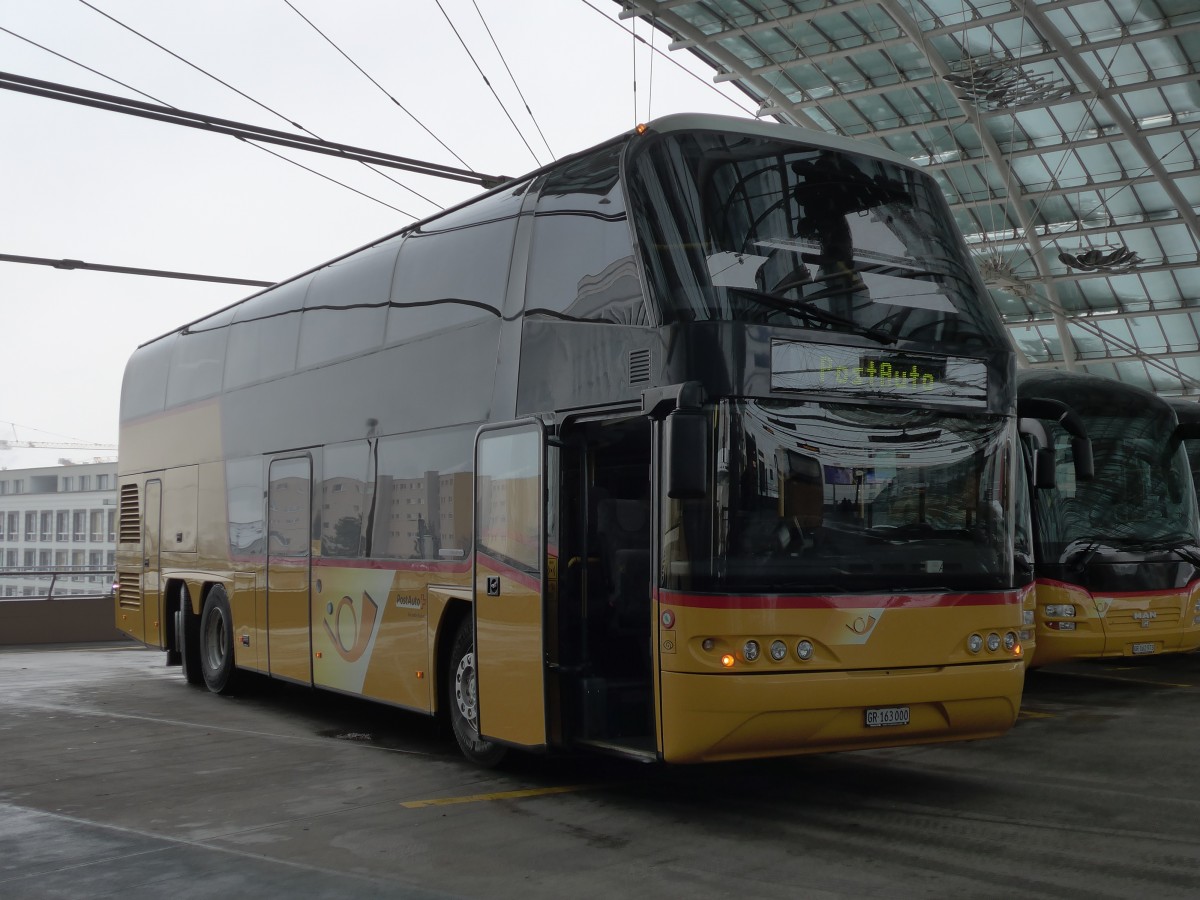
(633, 59)
(76, 62)
(250, 143)
(650, 86)
(712, 87)
(128, 270)
(382, 89)
(500, 53)
(479, 69)
(261, 105)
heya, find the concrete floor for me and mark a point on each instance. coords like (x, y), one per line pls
(117, 779)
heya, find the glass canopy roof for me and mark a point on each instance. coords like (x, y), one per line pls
(1065, 134)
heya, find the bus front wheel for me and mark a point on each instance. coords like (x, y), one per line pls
(216, 642)
(463, 700)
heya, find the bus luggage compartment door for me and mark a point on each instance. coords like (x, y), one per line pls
(510, 553)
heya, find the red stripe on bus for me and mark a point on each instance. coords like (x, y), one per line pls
(839, 601)
(457, 566)
(1120, 595)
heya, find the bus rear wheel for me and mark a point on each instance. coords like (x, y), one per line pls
(463, 700)
(216, 642)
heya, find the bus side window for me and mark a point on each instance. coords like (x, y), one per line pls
(345, 499)
(422, 504)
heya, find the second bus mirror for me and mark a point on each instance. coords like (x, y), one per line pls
(1043, 469)
(1081, 453)
(685, 451)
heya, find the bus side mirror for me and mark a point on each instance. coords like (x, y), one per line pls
(1081, 453)
(1043, 469)
(685, 440)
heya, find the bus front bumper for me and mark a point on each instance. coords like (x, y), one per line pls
(706, 718)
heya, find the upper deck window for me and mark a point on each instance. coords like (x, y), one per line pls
(750, 229)
(582, 264)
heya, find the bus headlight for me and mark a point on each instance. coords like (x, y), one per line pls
(993, 642)
(750, 651)
(974, 643)
(1027, 617)
(804, 649)
(1010, 641)
(1060, 610)
(778, 650)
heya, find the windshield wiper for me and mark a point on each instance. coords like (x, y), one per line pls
(805, 310)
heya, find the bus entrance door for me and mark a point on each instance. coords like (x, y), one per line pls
(510, 554)
(606, 611)
(289, 520)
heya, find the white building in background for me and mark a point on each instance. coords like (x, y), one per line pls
(58, 517)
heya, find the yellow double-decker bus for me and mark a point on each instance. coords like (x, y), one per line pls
(700, 444)
(1117, 557)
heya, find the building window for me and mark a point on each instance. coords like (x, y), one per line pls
(46, 529)
(79, 524)
(31, 526)
(14, 525)
(102, 482)
(67, 482)
(62, 525)
(97, 525)
(112, 526)
(18, 486)
(85, 482)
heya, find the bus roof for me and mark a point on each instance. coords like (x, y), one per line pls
(675, 122)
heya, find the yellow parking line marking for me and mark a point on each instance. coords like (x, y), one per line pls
(1034, 714)
(499, 795)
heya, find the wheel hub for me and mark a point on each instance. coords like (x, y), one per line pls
(464, 688)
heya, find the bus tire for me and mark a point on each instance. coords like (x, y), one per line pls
(187, 638)
(216, 642)
(462, 700)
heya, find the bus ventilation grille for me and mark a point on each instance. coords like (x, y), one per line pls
(131, 517)
(639, 366)
(129, 590)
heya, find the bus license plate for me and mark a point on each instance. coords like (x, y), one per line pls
(883, 716)
(1143, 648)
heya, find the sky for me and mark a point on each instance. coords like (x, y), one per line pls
(85, 184)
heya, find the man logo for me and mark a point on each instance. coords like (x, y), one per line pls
(1145, 617)
(350, 632)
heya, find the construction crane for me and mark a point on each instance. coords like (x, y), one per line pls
(51, 445)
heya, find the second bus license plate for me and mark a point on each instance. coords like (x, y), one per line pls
(882, 716)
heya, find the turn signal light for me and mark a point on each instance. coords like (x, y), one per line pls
(727, 660)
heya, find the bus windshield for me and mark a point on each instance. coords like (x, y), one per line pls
(1138, 498)
(744, 228)
(817, 498)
